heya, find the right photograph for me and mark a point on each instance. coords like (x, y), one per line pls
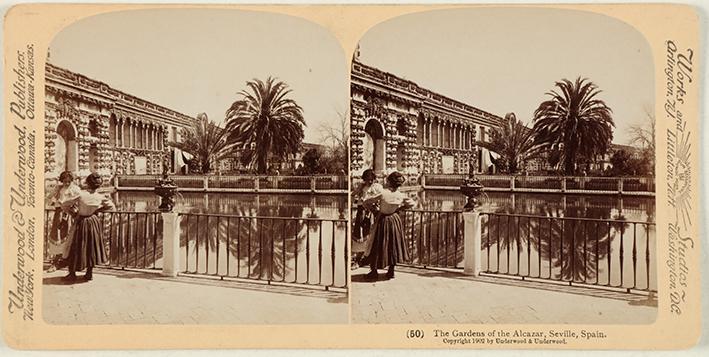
(503, 170)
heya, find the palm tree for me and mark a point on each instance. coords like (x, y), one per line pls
(573, 125)
(514, 142)
(206, 141)
(265, 119)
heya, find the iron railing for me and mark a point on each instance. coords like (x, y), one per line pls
(433, 238)
(572, 250)
(612, 253)
(310, 251)
(542, 184)
(326, 183)
(132, 239)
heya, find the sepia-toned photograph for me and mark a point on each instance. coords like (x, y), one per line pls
(503, 168)
(195, 170)
(351, 176)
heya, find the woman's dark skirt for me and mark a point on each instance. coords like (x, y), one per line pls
(87, 249)
(388, 247)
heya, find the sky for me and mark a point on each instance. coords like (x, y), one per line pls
(197, 60)
(505, 60)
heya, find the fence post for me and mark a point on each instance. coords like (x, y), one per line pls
(312, 184)
(423, 181)
(115, 182)
(170, 243)
(512, 183)
(563, 184)
(205, 184)
(620, 185)
(256, 183)
(472, 243)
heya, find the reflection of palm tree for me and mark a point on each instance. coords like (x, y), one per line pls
(263, 245)
(571, 249)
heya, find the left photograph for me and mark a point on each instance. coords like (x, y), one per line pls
(196, 170)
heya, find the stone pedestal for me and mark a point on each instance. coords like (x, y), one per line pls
(472, 243)
(170, 244)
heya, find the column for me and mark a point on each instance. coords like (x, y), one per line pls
(430, 134)
(171, 243)
(458, 132)
(443, 134)
(472, 243)
(465, 137)
(161, 138)
(119, 132)
(132, 134)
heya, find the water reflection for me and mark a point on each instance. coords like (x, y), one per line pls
(290, 238)
(243, 204)
(619, 253)
(587, 206)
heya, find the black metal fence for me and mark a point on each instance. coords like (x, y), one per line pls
(311, 251)
(133, 239)
(434, 238)
(603, 252)
(613, 253)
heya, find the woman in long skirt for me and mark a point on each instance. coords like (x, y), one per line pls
(388, 247)
(362, 225)
(87, 248)
(60, 233)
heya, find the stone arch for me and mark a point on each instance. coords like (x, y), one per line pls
(374, 146)
(66, 147)
(113, 130)
(420, 129)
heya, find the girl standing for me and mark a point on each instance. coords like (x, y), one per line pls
(364, 217)
(87, 247)
(60, 232)
(388, 247)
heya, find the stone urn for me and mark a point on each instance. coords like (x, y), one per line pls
(471, 188)
(166, 189)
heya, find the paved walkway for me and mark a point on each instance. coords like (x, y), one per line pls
(129, 297)
(432, 296)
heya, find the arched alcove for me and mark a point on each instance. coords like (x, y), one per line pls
(66, 148)
(374, 146)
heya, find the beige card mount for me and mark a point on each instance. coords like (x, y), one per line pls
(351, 176)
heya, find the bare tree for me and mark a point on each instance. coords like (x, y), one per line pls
(336, 136)
(643, 135)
